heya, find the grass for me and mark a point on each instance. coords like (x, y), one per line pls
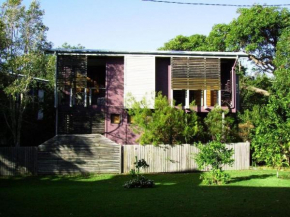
(251, 193)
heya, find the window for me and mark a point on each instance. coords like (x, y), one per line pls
(115, 119)
(179, 97)
(197, 96)
(211, 97)
(130, 119)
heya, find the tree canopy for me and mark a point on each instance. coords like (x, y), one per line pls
(264, 34)
(256, 31)
(23, 59)
(183, 43)
(68, 46)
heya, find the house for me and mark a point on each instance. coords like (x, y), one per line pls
(92, 86)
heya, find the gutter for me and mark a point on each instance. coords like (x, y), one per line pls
(155, 53)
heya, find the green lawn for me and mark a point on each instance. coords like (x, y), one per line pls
(251, 193)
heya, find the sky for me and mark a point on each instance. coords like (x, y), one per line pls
(132, 25)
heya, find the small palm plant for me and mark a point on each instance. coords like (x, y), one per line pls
(139, 181)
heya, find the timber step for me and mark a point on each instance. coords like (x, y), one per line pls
(79, 153)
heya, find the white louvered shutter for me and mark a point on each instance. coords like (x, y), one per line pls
(140, 78)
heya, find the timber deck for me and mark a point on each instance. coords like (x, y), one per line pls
(79, 153)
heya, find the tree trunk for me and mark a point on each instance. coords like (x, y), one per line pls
(19, 126)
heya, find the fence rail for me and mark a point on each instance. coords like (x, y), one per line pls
(178, 158)
(18, 161)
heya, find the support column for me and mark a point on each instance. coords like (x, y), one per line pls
(219, 97)
(187, 99)
(71, 97)
(171, 97)
(85, 100)
(204, 99)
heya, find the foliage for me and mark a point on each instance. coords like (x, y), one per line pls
(263, 33)
(215, 177)
(139, 181)
(249, 98)
(271, 139)
(246, 125)
(257, 31)
(216, 38)
(68, 46)
(186, 43)
(270, 136)
(139, 164)
(22, 60)
(269, 133)
(163, 125)
(3, 40)
(219, 128)
(214, 154)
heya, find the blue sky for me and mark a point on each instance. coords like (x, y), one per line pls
(131, 24)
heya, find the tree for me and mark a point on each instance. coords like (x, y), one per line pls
(217, 37)
(163, 125)
(68, 46)
(270, 135)
(255, 90)
(264, 34)
(3, 38)
(183, 43)
(257, 31)
(22, 59)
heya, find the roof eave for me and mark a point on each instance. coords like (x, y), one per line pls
(156, 53)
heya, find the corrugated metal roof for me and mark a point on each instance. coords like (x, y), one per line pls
(155, 53)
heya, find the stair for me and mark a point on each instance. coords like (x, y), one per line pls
(79, 153)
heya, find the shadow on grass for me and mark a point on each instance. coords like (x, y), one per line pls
(245, 178)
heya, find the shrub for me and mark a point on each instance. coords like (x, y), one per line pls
(215, 177)
(220, 125)
(214, 154)
(164, 124)
(139, 181)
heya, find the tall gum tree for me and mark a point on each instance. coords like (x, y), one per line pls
(257, 31)
(22, 59)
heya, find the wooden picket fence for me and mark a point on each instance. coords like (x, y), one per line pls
(18, 161)
(178, 158)
(162, 158)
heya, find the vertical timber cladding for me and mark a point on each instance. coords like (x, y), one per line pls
(75, 116)
(189, 73)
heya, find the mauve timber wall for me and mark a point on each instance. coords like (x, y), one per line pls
(119, 133)
(162, 76)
